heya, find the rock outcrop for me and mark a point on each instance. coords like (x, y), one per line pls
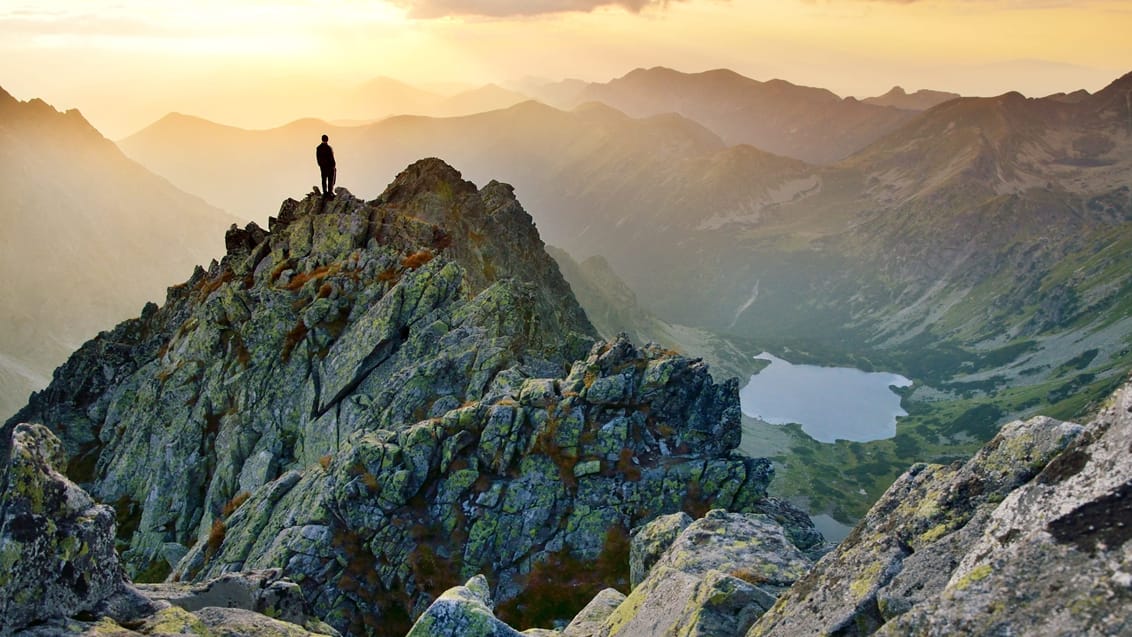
(715, 578)
(1029, 537)
(382, 400)
(56, 544)
(709, 577)
(60, 574)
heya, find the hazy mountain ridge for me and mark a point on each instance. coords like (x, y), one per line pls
(811, 124)
(79, 216)
(920, 100)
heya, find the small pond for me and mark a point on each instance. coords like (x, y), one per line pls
(830, 403)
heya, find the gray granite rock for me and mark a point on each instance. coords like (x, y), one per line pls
(1025, 538)
(588, 621)
(649, 542)
(464, 610)
(57, 554)
(716, 577)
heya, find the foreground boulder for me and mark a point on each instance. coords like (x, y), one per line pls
(1029, 537)
(715, 578)
(56, 544)
(463, 610)
(60, 573)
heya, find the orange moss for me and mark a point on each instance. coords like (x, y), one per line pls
(432, 573)
(588, 378)
(301, 279)
(441, 239)
(695, 503)
(325, 290)
(293, 338)
(368, 479)
(230, 506)
(559, 587)
(748, 575)
(361, 579)
(279, 267)
(324, 462)
(215, 539)
(209, 286)
(546, 443)
(417, 259)
(626, 466)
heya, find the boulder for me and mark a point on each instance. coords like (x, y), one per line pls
(57, 554)
(716, 577)
(1027, 537)
(650, 541)
(464, 610)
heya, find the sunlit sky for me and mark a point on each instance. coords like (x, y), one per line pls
(125, 63)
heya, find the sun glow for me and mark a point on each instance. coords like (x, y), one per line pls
(127, 62)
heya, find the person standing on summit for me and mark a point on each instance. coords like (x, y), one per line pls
(325, 156)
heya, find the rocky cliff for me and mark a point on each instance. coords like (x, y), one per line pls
(1028, 537)
(61, 575)
(383, 399)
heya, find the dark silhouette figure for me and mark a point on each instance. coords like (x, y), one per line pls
(325, 156)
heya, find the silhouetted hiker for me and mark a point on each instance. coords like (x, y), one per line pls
(325, 156)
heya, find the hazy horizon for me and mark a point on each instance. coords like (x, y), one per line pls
(259, 64)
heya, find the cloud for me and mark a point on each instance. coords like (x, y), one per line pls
(509, 8)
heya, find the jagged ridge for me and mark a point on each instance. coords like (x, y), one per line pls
(378, 398)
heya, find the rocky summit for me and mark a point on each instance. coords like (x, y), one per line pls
(368, 403)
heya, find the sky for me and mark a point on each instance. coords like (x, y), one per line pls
(261, 63)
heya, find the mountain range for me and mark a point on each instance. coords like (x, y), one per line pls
(395, 414)
(977, 247)
(807, 123)
(90, 236)
(869, 261)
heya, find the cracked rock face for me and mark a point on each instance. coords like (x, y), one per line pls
(382, 399)
(1029, 537)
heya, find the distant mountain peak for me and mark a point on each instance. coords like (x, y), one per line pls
(920, 100)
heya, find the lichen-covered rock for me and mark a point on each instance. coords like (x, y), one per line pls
(972, 548)
(1054, 557)
(59, 564)
(650, 541)
(464, 610)
(382, 399)
(588, 621)
(491, 486)
(264, 592)
(715, 578)
(56, 544)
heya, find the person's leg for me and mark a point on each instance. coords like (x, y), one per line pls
(326, 183)
(333, 178)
